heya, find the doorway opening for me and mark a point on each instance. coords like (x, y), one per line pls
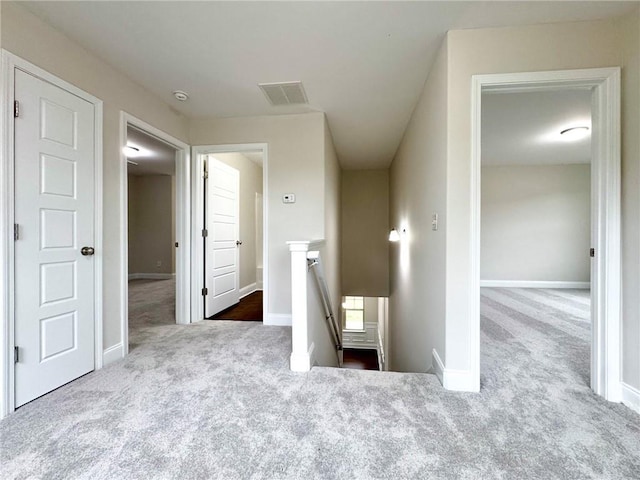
(233, 244)
(603, 86)
(230, 242)
(156, 245)
(151, 211)
(535, 277)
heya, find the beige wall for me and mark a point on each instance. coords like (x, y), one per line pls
(324, 351)
(417, 262)
(365, 233)
(28, 37)
(535, 223)
(250, 184)
(630, 31)
(295, 165)
(532, 48)
(151, 224)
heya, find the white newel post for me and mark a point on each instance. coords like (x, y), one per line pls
(301, 351)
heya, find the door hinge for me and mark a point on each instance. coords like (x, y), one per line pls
(205, 291)
(16, 354)
(16, 109)
(592, 252)
(205, 232)
(16, 231)
(205, 175)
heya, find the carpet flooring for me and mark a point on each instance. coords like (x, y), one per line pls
(216, 400)
(152, 310)
(249, 309)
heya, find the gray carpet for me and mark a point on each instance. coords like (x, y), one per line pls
(152, 307)
(217, 400)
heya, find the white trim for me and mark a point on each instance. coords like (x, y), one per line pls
(183, 219)
(151, 276)
(605, 212)
(248, 290)
(533, 284)
(197, 219)
(437, 366)
(630, 397)
(10, 63)
(349, 335)
(303, 362)
(277, 319)
(112, 354)
(454, 380)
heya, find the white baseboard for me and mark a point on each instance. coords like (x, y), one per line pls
(455, 380)
(151, 276)
(631, 397)
(111, 354)
(248, 290)
(438, 366)
(303, 362)
(533, 284)
(278, 319)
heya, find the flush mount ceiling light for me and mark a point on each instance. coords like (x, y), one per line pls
(181, 96)
(575, 133)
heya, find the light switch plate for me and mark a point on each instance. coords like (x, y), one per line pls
(289, 198)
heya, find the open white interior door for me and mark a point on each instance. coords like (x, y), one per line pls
(55, 213)
(221, 264)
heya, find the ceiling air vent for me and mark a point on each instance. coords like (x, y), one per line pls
(284, 93)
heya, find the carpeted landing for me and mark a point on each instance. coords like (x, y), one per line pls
(216, 400)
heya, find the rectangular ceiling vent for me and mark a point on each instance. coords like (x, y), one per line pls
(284, 93)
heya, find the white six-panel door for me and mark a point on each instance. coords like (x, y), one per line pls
(221, 268)
(54, 208)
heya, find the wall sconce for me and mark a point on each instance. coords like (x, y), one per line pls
(394, 236)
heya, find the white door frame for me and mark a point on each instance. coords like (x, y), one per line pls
(197, 279)
(183, 218)
(11, 63)
(605, 212)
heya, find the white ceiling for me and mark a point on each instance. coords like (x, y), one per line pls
(363, 63)
(524, 128)
(157, 157)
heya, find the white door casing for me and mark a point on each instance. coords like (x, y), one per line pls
(54, 208)
(221, 269)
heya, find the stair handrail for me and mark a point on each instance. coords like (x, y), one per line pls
(315, 265)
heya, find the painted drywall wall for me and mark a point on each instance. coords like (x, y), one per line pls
(332, 231)
(417, 261)
(630, 31)
(295, 165)
(25, 35)
(250, 184)
(501, 50)
(365, 233)
(535, 223)
(151, 226)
